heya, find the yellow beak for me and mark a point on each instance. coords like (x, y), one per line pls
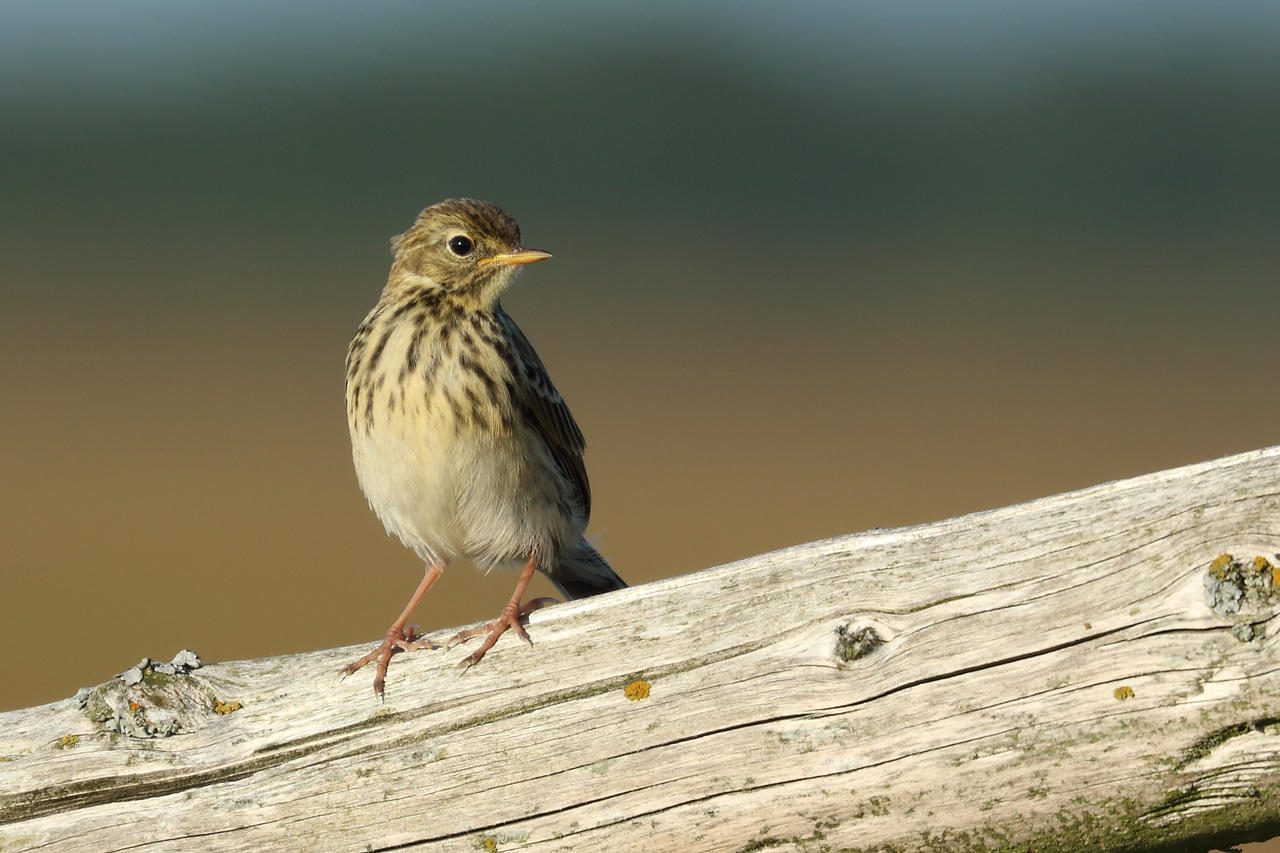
(519, 256)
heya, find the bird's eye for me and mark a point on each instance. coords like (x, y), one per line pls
(461, 245)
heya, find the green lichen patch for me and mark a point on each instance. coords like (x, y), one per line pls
(1122, 826)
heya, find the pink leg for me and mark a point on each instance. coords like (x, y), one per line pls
(396, 639)
(509, 618)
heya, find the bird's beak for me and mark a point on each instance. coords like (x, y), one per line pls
(510, 259)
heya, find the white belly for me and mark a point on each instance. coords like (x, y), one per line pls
(449, 493)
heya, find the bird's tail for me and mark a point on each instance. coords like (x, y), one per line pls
(582, 572)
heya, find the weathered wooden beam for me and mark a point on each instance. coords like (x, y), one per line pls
(1083, 671)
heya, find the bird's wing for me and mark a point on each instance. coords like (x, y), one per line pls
(538, 400)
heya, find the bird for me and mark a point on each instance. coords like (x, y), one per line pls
(461, 443)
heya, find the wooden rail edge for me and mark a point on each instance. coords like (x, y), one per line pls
(1097, 670)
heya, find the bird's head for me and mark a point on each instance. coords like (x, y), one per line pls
(467, 247)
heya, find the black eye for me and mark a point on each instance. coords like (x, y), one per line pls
(461, 245)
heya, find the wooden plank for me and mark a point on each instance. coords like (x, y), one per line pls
(1048, 675)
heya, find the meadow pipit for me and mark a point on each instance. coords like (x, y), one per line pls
(461, 443)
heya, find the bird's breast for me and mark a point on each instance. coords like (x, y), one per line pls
(415, 371)
(439, 450)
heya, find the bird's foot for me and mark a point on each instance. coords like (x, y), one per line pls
(396, 640)
(510, 618)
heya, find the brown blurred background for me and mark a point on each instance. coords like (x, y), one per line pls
(843, 266)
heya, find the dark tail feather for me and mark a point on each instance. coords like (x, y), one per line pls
(583, 572)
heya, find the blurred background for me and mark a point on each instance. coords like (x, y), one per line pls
(821, 269)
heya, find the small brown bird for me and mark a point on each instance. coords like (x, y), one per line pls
(461, 443)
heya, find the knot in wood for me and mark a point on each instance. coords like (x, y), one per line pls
(153, 699)
(1241, 591)
(853, 643)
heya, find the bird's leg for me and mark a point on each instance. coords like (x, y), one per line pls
(396, 638)
(509, 618)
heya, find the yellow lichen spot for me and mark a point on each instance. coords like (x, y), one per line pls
(6, 758)
(1218, 568)
(220, 707)
(1263, 566)
(1123, 693)
(490, 844)
(1088, 626)
(636, 690)
(135, 707)
(67, 742)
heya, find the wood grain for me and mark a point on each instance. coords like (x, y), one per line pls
(1078, 671)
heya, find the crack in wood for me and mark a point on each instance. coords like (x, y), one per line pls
(1203, 746)
(191, 836)
(499, 826)
(112, 789)
(992, 664)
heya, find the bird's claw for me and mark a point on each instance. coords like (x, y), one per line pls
(397, 640)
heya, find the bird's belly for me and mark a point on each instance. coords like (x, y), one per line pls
(408, 488)
(449, 493)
